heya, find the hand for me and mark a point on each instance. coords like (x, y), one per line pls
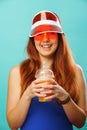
(55, 91)
(61, 94)
(48, 89)
(34, 89)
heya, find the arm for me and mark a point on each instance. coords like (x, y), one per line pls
(76, 113)
(17, 108)
(15, 114)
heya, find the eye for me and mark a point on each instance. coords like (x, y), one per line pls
(52, 35)
(38, 37)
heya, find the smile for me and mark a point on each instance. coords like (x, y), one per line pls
(46, 46)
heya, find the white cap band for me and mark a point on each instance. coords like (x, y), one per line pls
(48, 22)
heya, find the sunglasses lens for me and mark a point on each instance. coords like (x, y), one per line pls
(45, 36)
(38, 37)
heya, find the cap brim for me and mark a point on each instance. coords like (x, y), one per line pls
(45, 28)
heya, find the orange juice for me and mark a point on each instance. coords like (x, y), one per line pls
(42, 99)
(44, 74)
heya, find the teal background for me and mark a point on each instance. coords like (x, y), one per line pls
(15, 24)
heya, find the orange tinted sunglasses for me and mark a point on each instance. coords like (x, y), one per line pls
(45, 34)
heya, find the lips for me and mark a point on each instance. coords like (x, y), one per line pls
(46, 46)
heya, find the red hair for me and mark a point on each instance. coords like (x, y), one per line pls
(63, 67)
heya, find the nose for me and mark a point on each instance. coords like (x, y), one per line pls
(45, 37)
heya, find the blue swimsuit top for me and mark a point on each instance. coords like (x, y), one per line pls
(46, 116)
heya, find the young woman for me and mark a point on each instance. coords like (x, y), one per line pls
(67, 106)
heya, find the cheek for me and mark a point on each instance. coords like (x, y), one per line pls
(55, 42)
(37, 43)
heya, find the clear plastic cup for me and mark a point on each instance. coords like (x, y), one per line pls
(44, 74)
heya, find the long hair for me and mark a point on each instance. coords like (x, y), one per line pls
(63, 67)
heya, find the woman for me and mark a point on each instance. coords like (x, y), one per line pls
(47, 44)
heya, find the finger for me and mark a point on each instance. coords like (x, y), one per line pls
(40, 94)
(47, 86)
(49, 97)
(50, 81)
(48, 91)
(38, 90)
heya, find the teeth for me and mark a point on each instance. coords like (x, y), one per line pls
(46, 46)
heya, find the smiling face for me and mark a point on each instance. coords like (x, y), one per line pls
(46, 44)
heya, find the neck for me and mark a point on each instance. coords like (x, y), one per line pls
(48, 62)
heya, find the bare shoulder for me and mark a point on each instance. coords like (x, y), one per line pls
(80, 76)
(78, 70)
(15, 71)
(14, 75)
(78, 67)
(14, 81)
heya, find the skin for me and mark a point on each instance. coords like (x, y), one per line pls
(76, 113)
(46, 46)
